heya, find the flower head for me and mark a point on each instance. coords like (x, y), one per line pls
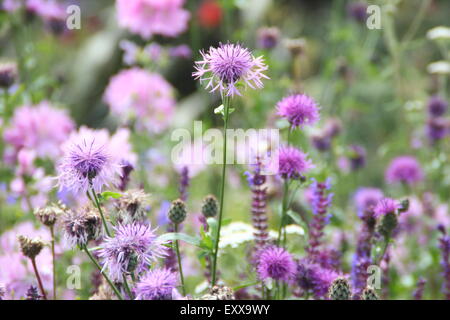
(157, 284)
(133, 248)
(223, 67)
(153, 17)
(385, 206)
(86, 163)
(293, 163)
(366, 198)
(276, 263)
(299, 110)
(312, 277)
(437, 106)
(404, 169)
(81, 226)
(30, 247)
(132, 206)
(268, 38)
(8, 74)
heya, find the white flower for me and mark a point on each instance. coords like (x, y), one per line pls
(439, 67)
(438, 33)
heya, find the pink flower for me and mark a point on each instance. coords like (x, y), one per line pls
(41, 128)
(150, 17)
(141, 95)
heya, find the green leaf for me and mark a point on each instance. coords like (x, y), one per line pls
(109, 194)
(195, 241)
(245, 285)
(297, 219)
(220, 110)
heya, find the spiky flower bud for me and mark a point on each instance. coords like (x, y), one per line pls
(49, 214)
(369, 294)
(388, 223)
(209, 207)
(177, 212)
(340, 289)
(30, 247)
(33, 293)
(219, 293)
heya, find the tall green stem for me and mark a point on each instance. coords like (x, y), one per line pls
(116, 291)
(97, 204)
(180, 268)
(226, 102)
(283, 210)
(38, 277)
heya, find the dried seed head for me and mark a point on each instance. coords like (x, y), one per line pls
(340, 289)
(30, 247)
(369, 294)
(50, 214)
(81, 226)
(209, 207)
(132, 206)
(219, 293)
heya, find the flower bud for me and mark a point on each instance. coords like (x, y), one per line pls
(8, 74)
(369, 294)
(388, 223)
(340, 289)
(30, 247)
(177, 212)
(48, 215)
(209, 207)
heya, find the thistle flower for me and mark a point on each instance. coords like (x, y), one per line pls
(387, 210)
(366, 199)
(369, 294)
(8, 74)
(177, 211)
(340, 289)
(133, 249)
(132, 206)
(320, 202)
(30, 247)
(33, 293)
(293, 163)
(385, 206)
(81, 226)
(156, 284)
(219, 293)
(437, 129)
(311, 277)
(276, 263)
(50, 214)
(86, 164)
(224, 67)
(153, 17)
(437, 106)
(268, 38)
(404, 169)
(299, 110)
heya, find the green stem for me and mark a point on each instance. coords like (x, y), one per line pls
(180, 268)
(127, 287)
(97, 204)
(52, 233)
(385, 246)
(38, 277)
(116, 291)
(226, 101)
(283, 210)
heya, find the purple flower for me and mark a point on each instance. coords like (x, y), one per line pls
(299, 110)
(132, 249)
(366, 198)
(86, 164)
(311, 277)
(357, 157)
(444, 246)
(153, 17)
(182, 51)
(404, 169)
(268, 37)
(437, 106)
(357, 11)
(2, 291)
(157, 284)
(437, 128)
(275, 263)
(385, 206)
(293, 163)
(223, 67)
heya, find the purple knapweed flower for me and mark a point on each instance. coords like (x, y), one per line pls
(404, 169)
(156, 284)
(276, 263)
(312, 278)
(86, 164)
(132, 249)
(385, 206)
(437, 106)
(224, 67)
(437, 129)
(299, 110)
(366, 199)
(293, 163)
(153, 17)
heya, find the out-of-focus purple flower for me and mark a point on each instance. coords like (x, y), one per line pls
(357, 11)
(153, 51)
(357, 157)
(41, 128)
(321, 142)
(312, 278)
(153, 17)
(87, 163)
(11, 5)
(385, 206)
(418, 292)
(404, 169)
(147, 98)
(157, 284)
(184, 183)
(268, 38)
(444, 246)
(223, 67)
(130, 51)
(437, 129)
(293, 163)
(299, 110)
(52, 12)
(276, 263)
(8, 74)
(366, 199)
(320, 202)
(437, 106)
(182, 51)
(25, 161)
(133, 248)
